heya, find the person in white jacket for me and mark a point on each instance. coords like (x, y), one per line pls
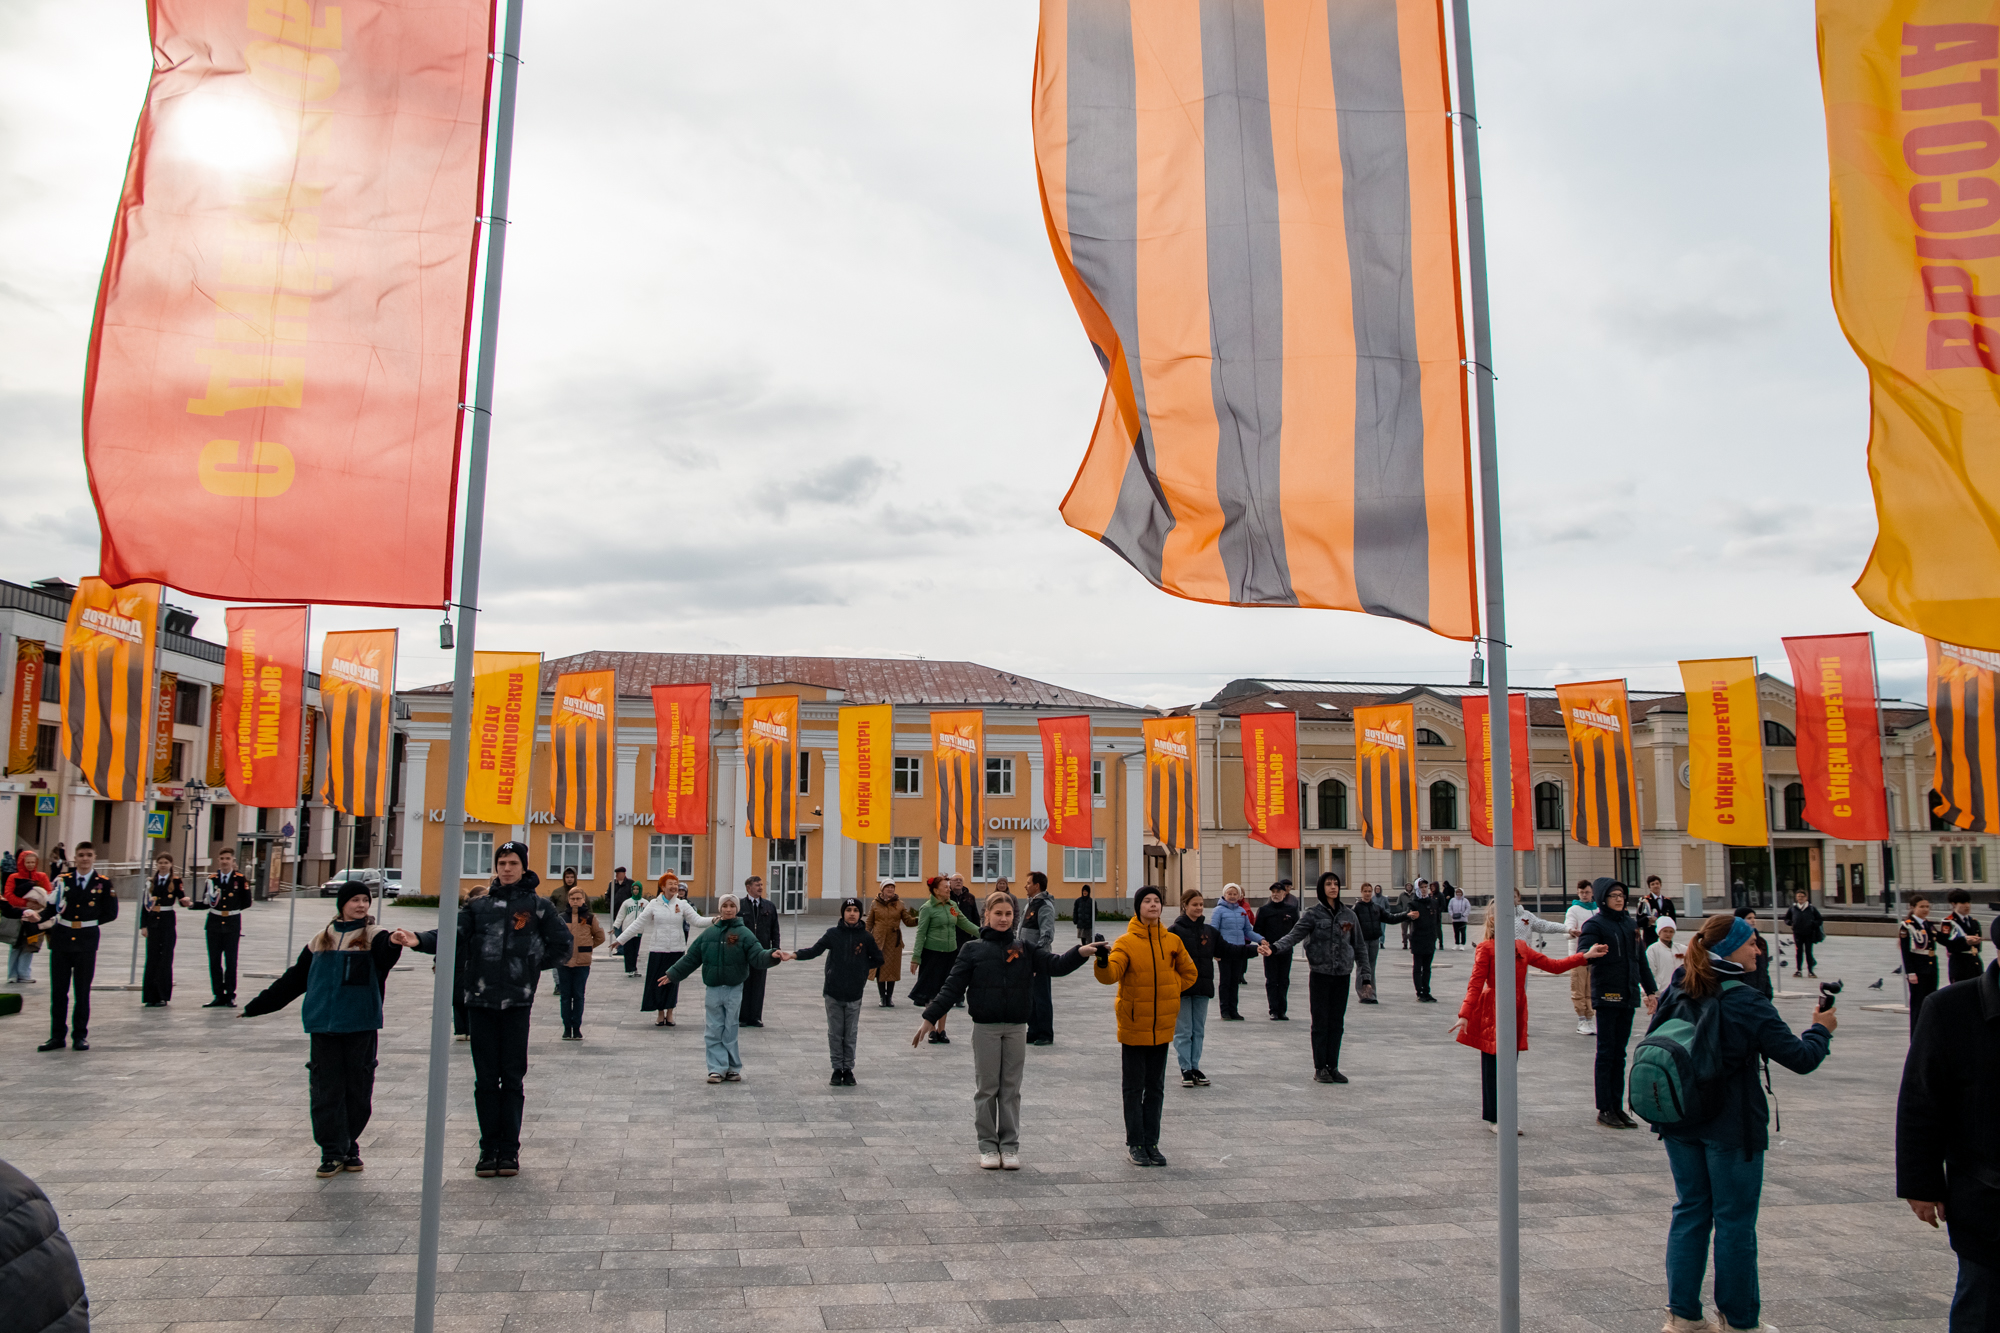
(667, 921)
(1666, 953)
(629, 909)
(1581, 909)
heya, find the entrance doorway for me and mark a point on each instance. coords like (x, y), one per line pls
(1794, 872)
(785, 874)
(1749, 877)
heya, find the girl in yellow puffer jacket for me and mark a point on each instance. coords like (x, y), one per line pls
(1151, 968)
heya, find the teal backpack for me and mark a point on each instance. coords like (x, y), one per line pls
(1677, 1073)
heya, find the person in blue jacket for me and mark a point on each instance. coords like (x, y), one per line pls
(1718, 1163)
(343, 973)
(1233, 922)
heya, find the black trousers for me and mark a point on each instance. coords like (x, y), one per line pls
(1614, 1034)
(1042, 1010)
(1923, 980)
(1421, 953)
(1489, 1088)
(1145, 1079)
(71, 969)
(629, 951)
(1233, 971)
(1802, 955)
(753, 997)
(1458, 932)
(224, 934)
(499, 1068)
(1278, 983)
(156, 986)
(1329, 1016)
(341, 1085)
(570, 984)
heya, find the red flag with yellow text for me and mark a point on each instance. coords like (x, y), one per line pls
(1271, 776)
(1839, 740)
(1479, 767)
(263, 698)
(1066, 780)
(680, 758)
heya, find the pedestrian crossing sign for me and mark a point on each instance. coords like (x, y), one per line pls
(156, 824)
(45, 806)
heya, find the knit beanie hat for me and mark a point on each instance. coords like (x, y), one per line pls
(855, 903)
(1149, 891)
(352, 889)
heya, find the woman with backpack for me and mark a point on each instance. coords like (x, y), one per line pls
(1716, 1129)
(1478, 1019)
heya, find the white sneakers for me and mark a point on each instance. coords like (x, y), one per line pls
(1586, 1027)
(989, 1161)
(1010, 1161)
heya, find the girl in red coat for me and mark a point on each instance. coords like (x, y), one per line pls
(1476, 1015)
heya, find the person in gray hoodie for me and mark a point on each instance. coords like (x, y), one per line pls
(1038, 927)
(1335, 955)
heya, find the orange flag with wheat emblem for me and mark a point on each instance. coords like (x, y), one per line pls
(1386, 775)
(583, 729)
(1170, 782)
(958, 764)
(1604, 806)
(771, 766)
(357, 692)
(107, 686)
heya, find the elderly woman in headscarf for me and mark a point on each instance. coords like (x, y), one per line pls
(887, 916)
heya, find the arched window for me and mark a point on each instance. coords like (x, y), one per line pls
(1333, 803)
(1548, 805)
(1444, 805)
(1778, 734)
(1795, 808)
(1425, 736)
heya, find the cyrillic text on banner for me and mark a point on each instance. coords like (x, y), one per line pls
(1479, 768)
(681, 720)
(506, 696)
(1066, 780)
(357, 693)
(1172, 782)
(1271, 776)
(107, 686)
(262, 707)
(1839, 736)
(1386, 775)
(958, 766)
(1604, 804)
(771, 765)
(1726, 800)
(583, 729)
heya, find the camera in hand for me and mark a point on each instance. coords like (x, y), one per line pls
(1828, 990)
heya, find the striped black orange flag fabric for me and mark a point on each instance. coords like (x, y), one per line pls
(583, 727)
(357, 692)
(771, 766)
(1965, 736)
(1251, 203)
(958, 765)
(1385, 773)
(107, 686)
(1604, 800)
(1171, 789)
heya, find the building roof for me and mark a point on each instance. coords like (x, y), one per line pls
(867, 680)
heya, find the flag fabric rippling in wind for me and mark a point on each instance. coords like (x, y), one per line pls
(1839, 736)
(1605, 805)
(357, 692)
(1385, 773)
(1965, 736)
(107, 686)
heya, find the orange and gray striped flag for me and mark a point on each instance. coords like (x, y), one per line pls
(107, 686)
(583, 726)
(357, 692)
(1604, 801)
(1385, 771)
(1965, 736)
(958, 759)
(771, 766)
(1170, 782)
(1252, 205)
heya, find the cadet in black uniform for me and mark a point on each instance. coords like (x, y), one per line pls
(1919, 940)
(1275, 920)
(159, 923)
(1959, 933)
(84, 900)
(761, 915)
(1426, 922)
(225, 896)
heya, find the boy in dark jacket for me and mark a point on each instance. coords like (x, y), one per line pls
(1959, 934)
(995, 974)
(1808, 928)
(1335, 954)
(1275, 920)
(343, 973)
(1617, 981)
(851, 954)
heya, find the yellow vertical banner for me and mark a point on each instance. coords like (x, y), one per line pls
(583, 727)
(1170, 782)
(958, 765)
(506, 692)
(867, 751)
(107, 685)
(1726, 801)
(163, 728)
(1605, 792)
(771, 766)
(357, 692)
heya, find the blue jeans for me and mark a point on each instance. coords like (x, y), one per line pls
(1189, 1029)
(1717, 1189)
(571, 983)
(20, 966)
(722, 1004)
(1975, 1306)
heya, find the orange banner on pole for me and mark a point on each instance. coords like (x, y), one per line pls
(958, 761)
(1386, 774)
(282, 325)
(1479, 768)
(771, 766)
(1066, 780)
(506, 695)
(308, 752)
(107, 685)
(1171, 782)
(1604, 805)
(1965, 736)
(1271, 776)
(24, 732)
(1839, 736)
(216, 773)
(1726, 801)
(263, 703)
(357, 692)
(583, 727)
(681, 719)
(1911, 132)
(163, 727)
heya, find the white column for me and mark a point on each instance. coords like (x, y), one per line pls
(740, 859)
(416, 767)
(1135, 821)
(836, 851)
(1038, 847)
(624, 797)
(1666, 785)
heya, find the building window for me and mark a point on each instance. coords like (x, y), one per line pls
(999, 777)
(51, 676)
(1628, 871)
(1444, 805)
(1778, 734)
(1937, 865)
(669, 851)
(187, 703)
(360, 847)
(215, 829)
(906, 772)
(1084, 865)
(1425, 736)
(1305, 804)
(1548, 806)
(1555, 875)
(1285, 870)
(1097, 783)
(805, 772)
(1958, 865)
(478, 856)
(45, 748)
(1774, 807)
(902, 858)
(177, 761)
(1399, 871)
(1531, 870)
(993, 861)
(1795, 808)
(1333, 803)
(573, 851)
(1934, 803)
(1978, 865)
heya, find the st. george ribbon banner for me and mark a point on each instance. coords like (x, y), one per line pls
(282, 326)
(1604, 807)
(1479, 766)
(867, 771)
(107, 686)
(1172, 801)
(1726, 801)
(583, 731)
(681, 716)
(1839, 736)
(1066, 780)
(771, 766)
(958, 776)
(1271, 776)
(1385, 773)
(263, 700)
(1965, 736)
(1912, 129)
(506, 696)
(1253, 209)
(357, 692)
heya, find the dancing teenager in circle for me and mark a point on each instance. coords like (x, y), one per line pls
(1275, 920)
(84, 901)
(760, 914)
(26, 899)
(573, 972)
(1426, 921)
(1618, 977)
(1373, 914)
(666, 923)
(887, 916)
(632, 905)
(225, 896)
(159, 925)
(1335, 955)
(995, 975)
(935, 949)
(728, 953)
(1038, 927)
(343, 973)
(508, 936)
(1150, 968)
(1207, 949)
(1718, 1163)
(1478, 1019)
(1581, 909)
(852, 956)
(1233, 922)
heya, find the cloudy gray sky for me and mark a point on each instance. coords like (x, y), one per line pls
(786, 365)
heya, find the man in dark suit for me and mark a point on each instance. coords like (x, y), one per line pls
(761, 915)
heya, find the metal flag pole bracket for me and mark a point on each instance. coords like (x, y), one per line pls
(1462, 116)
(1480, 365)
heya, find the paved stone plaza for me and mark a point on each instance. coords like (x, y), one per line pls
(178, 1155)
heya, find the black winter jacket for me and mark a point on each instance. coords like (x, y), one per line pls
(1204, 944)
(1618, 978)
(851, 954)
(1373, 914)
(43, 1283)
(1807, 923)
(1275, 920)
(1947, 1136)
(1332, 936)
(506, 939)
(1428, 927)
(995, 976)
